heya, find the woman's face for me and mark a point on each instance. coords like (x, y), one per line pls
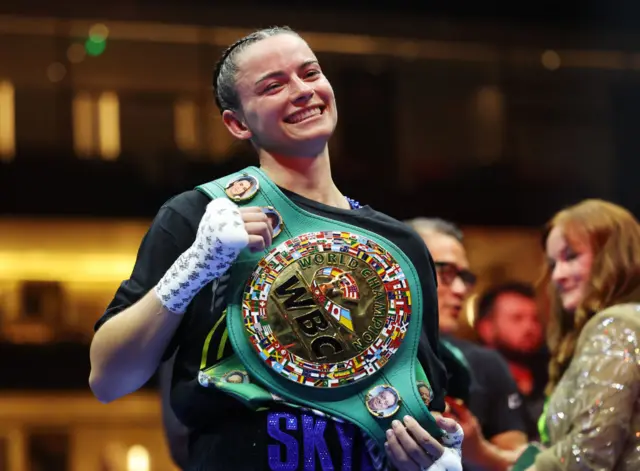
(570, 267)
(288, 105)
(239, 187)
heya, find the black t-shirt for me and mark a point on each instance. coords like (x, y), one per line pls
(225, 435)
(537, 363)
(493, 396)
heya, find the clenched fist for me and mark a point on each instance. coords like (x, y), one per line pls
(258, 227)
(221, 235)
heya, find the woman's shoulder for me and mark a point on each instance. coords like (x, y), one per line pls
(627, 314)
(619, 323)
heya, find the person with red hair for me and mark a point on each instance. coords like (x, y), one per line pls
(592, 418)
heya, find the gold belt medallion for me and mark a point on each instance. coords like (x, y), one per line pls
(327, 309)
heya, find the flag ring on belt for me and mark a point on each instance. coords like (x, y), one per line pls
(327, 309)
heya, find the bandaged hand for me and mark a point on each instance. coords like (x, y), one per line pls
(223, 232)
(451, 459)
(411, 448)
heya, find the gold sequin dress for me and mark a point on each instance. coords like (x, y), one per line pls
(593, 416)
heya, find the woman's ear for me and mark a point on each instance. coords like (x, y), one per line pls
(236, 126)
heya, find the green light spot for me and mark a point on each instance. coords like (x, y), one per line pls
(95, 46)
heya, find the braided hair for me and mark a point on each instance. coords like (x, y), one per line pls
(225, 70)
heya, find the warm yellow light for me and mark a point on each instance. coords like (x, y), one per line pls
(186, 125)
(138, 458)
(99, 31)
(7, 121)
(83, 125)
(551, 60)
(470, 310)
(109, 125)
(76, 53)
(65, 266)
(489, 113)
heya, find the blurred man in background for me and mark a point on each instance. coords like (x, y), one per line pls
(508, 321)
(491, 413)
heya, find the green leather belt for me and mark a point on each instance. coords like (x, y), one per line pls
(327, 318)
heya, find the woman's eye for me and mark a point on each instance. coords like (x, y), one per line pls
(271, 87)
(571, 255)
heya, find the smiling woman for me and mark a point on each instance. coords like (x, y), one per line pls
(593, 275)
(275, 95)
(307, 346)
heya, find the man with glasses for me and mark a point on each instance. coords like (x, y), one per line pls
(491, 413)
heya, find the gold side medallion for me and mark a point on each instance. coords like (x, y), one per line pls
(383, 401)
(242, 188)
(277, 223)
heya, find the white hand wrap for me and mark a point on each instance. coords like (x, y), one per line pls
(454, 440)
(220, 238)
(451, 459)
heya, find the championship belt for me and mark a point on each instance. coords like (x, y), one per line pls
(328, 318)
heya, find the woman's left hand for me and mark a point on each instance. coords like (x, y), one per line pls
(411, 448)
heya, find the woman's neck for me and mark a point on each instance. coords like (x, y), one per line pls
(307, 176)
